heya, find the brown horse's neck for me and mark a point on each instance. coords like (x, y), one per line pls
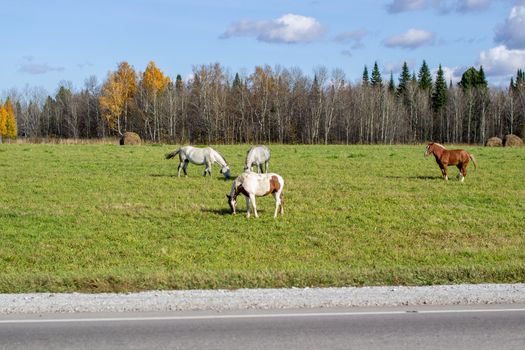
(438, 151)
(238, 189)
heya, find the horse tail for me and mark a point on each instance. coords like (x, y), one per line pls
(473, 160)
(172, 154)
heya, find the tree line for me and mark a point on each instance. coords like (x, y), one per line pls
(8, 127)
(275, 104)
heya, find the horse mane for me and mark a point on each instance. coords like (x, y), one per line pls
(220, 155)
(248, 153)
(440, 145)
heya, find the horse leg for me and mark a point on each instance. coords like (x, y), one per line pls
(184, 167)
(179, 168)
(252, 199)
(463, 171)
(266, 166)
(247, 206)
(207, 169)
(278, 203)
(444, 171)
(281, 196)
(261, 168)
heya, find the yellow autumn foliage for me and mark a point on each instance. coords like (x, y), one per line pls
(10, 123)
(3, 121)
(119, 88)
(112, 99)
(127, 76)
(153, 80)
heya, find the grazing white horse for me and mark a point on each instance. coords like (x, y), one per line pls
(200, 156)
(251, 185)
(257, 155)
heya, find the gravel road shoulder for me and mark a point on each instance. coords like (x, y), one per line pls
(242, 299)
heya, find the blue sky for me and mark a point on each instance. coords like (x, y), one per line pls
(46, 42)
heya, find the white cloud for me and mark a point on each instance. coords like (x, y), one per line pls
(472, 5)
(441, 6)
(397, 67)
(288, 29)
(31, 67)
(354, 37)
(450, 73)
(512, 32)
(501, 61)
(405, 5)
(462, 6)
(412, 39)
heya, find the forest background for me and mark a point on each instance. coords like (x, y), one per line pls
(271, 105)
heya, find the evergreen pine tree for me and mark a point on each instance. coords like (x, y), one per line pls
(482, 81)
(179, 83)
(472, 78)
(315, 85)
(391, 84)
(237, 81)
(468, 78)
(520, 78)
(404, 79)
(424, 77)
(365, 79)
(439, 95)
(376, 80)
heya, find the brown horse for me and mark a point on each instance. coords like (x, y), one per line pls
(444, 158)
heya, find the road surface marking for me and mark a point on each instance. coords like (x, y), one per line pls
(247, 316)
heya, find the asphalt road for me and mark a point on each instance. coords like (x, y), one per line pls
(476, 327)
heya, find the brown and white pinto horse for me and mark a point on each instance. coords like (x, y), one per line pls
(445, 157)
(251, 185)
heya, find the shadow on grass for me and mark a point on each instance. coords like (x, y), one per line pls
(231, 178)
(163, 175)
(183, 176)
(415, 177)
(226, 211)
(221, 212)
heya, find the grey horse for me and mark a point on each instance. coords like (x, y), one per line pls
(200, 156)
(257, 155)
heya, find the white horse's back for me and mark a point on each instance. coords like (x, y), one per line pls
(257, 155)
(257, 185)
(200, 156)
(195, 155)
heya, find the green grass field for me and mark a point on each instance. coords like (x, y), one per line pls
(111, 218)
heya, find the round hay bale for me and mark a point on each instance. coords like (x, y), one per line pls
(494, 142)
(512, 141)
(130, 138)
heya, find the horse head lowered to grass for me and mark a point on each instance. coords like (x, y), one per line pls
(444, 158)
(254, 185)
(200, 156)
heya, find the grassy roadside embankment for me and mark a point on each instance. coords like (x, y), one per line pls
(109, 218)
